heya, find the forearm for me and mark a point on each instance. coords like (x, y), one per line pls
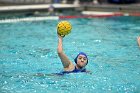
(138, 40)
(64, 59)
(60, 45)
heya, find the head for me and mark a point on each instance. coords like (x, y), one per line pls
(81, 60)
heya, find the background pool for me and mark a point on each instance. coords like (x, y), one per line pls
(27, 48)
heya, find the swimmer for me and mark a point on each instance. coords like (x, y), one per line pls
(81, 59)
(138, 40)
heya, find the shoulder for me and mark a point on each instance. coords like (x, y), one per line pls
(71, 67)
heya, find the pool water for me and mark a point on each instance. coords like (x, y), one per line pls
(28, 48)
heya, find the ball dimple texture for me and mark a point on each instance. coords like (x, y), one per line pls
(64, 28)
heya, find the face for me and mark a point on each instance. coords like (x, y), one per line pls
(81, 61)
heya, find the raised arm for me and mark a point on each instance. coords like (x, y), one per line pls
(138, 40)
(67, 64)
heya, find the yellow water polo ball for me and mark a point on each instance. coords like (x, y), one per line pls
(64, 28)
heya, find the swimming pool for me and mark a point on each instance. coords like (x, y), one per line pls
(28, 48)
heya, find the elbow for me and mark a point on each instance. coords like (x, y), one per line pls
(59, 51)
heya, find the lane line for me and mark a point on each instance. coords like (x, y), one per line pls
(29, 19)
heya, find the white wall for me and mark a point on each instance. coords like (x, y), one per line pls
(25, 1)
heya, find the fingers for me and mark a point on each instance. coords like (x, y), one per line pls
(61, 36)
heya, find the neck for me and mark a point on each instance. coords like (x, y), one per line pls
(78, 67)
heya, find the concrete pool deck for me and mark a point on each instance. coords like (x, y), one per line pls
(89, 9)
(114, 8)
(119, 9)
(36, 7)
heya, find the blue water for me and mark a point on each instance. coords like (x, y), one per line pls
(28, 48)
